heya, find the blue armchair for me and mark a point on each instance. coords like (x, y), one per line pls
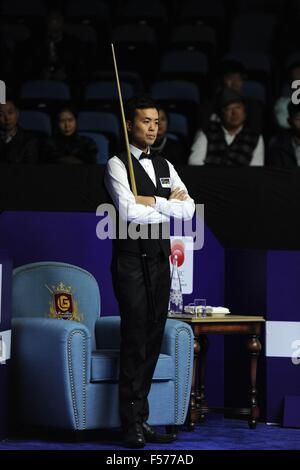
(65, 356)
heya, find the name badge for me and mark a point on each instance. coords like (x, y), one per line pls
(165, 182)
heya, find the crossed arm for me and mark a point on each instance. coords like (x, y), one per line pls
(178, 193)
(147, 209)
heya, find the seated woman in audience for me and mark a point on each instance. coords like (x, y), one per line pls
(67, 146)
(172, 149)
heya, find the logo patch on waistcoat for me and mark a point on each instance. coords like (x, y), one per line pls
(165, 182)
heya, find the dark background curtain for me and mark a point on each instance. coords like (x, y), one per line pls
(245, 207)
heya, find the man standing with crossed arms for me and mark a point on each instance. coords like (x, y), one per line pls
(161, 194)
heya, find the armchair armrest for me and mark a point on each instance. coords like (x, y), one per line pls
(107, 332)
(51, 360)
(178, 342)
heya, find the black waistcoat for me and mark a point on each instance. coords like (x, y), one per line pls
(238, 153)
(145, 187)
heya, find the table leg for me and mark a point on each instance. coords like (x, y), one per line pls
(254, 347)
(192, 412)
(200, 395)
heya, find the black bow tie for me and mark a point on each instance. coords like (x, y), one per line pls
(150, 156)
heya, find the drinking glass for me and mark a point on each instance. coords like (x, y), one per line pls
(200, 303)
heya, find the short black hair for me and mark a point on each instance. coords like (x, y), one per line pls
(230, 66)
(138, 102)
(12, 99)
(67, 109)
(293, 109)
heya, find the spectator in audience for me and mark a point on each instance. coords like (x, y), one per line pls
(67, 146)
(284, 149)
(53, 56)
(6, 61)
(233, 75)
(228, 141)
(165, 145)
(281, 113)
(16, 144)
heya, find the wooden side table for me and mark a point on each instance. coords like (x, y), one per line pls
(229, 324)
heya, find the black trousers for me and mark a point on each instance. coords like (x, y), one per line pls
(141, 336)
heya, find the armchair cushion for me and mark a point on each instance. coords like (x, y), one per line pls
(105, 366)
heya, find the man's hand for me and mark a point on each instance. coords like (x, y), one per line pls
(179, 194)
(145, 200)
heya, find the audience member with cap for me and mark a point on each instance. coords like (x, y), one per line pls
(284, 149)
(228, 141)
(233, 75)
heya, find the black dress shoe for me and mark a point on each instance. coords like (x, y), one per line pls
(152, 436)
(134, 437)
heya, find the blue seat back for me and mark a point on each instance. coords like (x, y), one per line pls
(84, 32)
(204, 10)
(184, 61)
(149, 9)
(178, 124)
(46, 89)
(87, 9)
(107, 90)
(102, 145)
(255, 90)
(178, 90)
(192, 35)
(35, 121)
(56, 290)
(134, 34)
(21, 8)
(93, 121)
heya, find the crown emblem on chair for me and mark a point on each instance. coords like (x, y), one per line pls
(62, 305)
(61, 288)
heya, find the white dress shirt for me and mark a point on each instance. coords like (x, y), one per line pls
(199, 148)
(117, 184)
